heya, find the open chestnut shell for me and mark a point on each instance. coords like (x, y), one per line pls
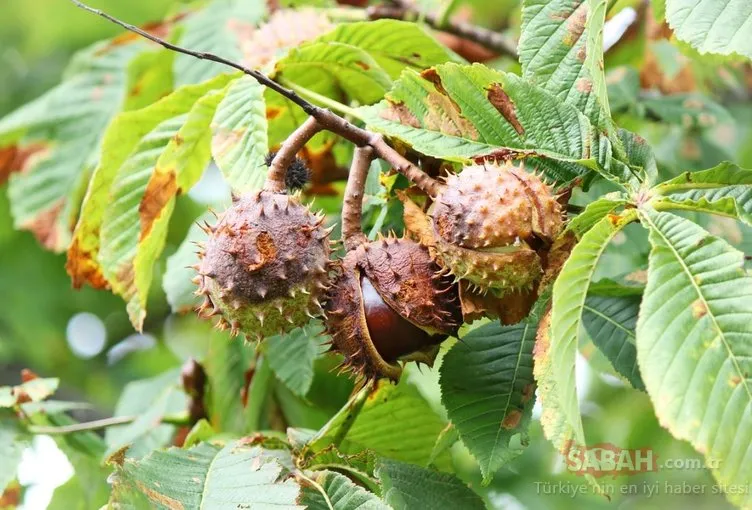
(388, 304)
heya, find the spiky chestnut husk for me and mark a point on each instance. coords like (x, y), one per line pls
(264, 268)
(390, 304)
(489, 221)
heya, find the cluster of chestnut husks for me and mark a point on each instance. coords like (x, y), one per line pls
(264, 266)
(390, 303)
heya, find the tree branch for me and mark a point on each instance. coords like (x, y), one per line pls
(99, 424)
(352, 208)
(326, 119)
(488, 38)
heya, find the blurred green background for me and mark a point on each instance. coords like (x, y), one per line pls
(37, 38)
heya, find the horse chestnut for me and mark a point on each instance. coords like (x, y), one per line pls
(264, 266)
(490, 220)
(388, 304)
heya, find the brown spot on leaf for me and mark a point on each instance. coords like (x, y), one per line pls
(399, 112)
(639, 276)
(83, 268)
(735, 381)
(11, 497)
(178, 139)
(584, 85)
(158, 497)
(272, 112)
(512, 419)
(527, 392)
(19, 159)
(699, 309)
(504, 105)
(576, 25)
(432, 76)
(44, 225)
(362, 65)
(444, 116)
(162, 188)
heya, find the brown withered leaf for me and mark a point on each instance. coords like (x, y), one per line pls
(510, 309)
(44, 225)
(15, 158)
(82, 267)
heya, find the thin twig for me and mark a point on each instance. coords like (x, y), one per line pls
(488, 38)
(97, 424)
(352, 208)
(326, 119)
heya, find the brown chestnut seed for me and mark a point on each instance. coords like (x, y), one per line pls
(391, 334)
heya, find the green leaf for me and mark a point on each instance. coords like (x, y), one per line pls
(488, 390)
(13, 442)
(62, 131)
(291, 356)
(207, 477)
(201, 431)
(593, 213)
(165, 163)
(342, 494)
(460, 113)
(120, 141)
(561, 50)
(393, 44)
(610, 321)
(176, 280)
(688, 110)
(382, 427)
(239, 135)
(694, 344)
(227, 362)
(35, 390)
(219, 28)
(639, 155)
(555, 355)
(409, 487)
(725, 189)
(335, 70)
(712, 26)
(149, 400)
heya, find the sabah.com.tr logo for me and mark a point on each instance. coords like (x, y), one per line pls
(606, 459)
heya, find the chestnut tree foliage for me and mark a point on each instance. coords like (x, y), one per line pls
(96, 166)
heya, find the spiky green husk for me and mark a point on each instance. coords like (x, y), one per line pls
(265, 265)
(488, 222)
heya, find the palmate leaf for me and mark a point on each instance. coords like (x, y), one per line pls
(410, 487)
(239, 135)
(488, 390)
(341, 492)
(610, 322)
(461, 113)
(58, 136)
(725, 189)
(205, 477)
(556, 346)
(561, 50)
(712, 26)
(694, 344)
(218, 28)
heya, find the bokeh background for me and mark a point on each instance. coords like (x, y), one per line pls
(84, 337)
